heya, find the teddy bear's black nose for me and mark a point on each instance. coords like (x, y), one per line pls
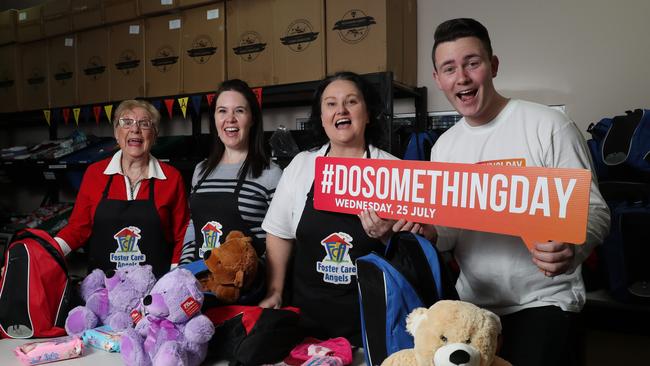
(206, 255)
(110, 273)
(459, 357)
(146, 301)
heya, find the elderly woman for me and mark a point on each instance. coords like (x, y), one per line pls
(131, 209)
(346, 113)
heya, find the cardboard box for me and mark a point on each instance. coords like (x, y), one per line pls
(8, 26)
(56, 17)
(162, 52)
(298, 41)
(157, 6)
(126, 61)
(368, 36)
(203, 48)
(62, 70)
(9, 79)
(120, 10)
(92, 64)
(86, 14)
(33, 82)
(250, 41)
(192, 3)
(30, 24)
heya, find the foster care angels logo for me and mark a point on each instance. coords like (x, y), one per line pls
(127, 62)
(250, 46)
(63, 74)
(354, 26)
(202, 49)
(337, 267)
(128, 252)
(299, 35)
(211, 235)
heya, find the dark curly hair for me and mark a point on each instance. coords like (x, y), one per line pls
(374, 132)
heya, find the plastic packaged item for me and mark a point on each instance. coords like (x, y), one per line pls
(282, 143)
(49, 350)
(103, 338)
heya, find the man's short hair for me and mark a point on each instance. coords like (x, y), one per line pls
(454, 29)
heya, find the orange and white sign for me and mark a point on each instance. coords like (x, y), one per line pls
(537, 204)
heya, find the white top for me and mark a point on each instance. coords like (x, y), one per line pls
(287, 205)
(497, 271)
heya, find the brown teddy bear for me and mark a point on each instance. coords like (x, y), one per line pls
(451, 333)
(233, 267)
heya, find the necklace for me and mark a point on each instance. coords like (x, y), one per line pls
(133, 184)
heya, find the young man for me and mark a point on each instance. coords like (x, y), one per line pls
(539, 292)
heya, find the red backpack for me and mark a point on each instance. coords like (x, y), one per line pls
(35, 290)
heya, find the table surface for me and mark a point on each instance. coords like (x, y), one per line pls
(96, 357)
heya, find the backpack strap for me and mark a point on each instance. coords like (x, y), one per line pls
(39, 236)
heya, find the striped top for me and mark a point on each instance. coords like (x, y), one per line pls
(253, 200)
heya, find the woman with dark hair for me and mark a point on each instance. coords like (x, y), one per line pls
(347, 114)
(232, 189)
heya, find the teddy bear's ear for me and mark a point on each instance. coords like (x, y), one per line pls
(414, 319)
(495, 319)
(234, 235)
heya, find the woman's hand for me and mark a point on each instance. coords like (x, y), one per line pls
(272, 300)
(553, 258)
(375, 226)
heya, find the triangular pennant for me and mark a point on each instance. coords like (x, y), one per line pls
(66, 115)
(75, 113)
(183, 103)
(196, 103)
(54, 116)
(97, 110)
(210, 98)
(47, 114)
(109, 112)
(170, 105)
(258, 94)
(85, 113)
(157, 103)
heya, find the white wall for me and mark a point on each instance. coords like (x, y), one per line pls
(591, 55)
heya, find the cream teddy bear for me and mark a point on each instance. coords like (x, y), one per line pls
(451, 333)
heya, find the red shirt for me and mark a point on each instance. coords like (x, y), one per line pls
(169, 197)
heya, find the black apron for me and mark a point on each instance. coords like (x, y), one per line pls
(324, 275)
(128, 233)
(214, 215)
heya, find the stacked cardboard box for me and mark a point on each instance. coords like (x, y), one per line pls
(30, 24)
(62, 71)
(8, 26)
(162, 53)
(56, 17)
(127, 61)
(9, 78)
(34, 76)
(92, 64)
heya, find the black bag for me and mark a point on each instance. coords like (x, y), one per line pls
(251, 335)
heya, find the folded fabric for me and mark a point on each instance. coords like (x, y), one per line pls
(50, 350)
(335, 347)
(323, 361)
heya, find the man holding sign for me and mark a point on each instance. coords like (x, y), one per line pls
(537, 291)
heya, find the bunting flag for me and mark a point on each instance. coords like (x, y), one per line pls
(97, 110)
(196, 103)
(47, 114)
(54, 116)
(210, 98)
(85, 113)
(75, 113)
(258, 94)
(157, 103)
(183, 103)
(66, 115)
(170, 105)
(109, 112)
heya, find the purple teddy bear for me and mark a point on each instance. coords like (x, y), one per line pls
(173, 330)
(110, 300)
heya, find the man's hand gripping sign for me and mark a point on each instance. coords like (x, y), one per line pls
(537, 204)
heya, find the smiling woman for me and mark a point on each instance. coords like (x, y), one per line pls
(130, 200)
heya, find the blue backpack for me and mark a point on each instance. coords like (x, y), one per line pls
(620, 146)
(411, 274)
(419, 145)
